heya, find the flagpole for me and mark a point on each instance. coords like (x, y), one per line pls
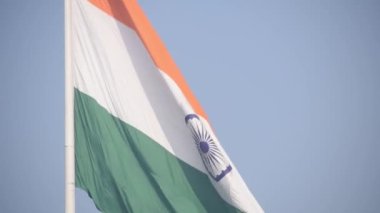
(69, 115)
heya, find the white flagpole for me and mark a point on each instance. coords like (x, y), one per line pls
(69, 115)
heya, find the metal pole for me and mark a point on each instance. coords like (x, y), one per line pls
(69, 115)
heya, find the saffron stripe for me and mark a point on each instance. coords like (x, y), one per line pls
(130, 13)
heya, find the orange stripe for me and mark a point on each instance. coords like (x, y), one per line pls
(130, 13)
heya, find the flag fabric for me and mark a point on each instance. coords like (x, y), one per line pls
(142, 141)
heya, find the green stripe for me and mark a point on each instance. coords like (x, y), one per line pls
(123, 170)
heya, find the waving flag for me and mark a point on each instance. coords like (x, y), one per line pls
(142, 141)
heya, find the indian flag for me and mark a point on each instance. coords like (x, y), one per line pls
(142, 141)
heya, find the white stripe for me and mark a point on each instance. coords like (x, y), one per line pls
(112, 66)
(124, 80)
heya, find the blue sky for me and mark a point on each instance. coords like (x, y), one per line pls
(292, 89)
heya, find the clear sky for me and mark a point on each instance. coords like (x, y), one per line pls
(292, 89)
